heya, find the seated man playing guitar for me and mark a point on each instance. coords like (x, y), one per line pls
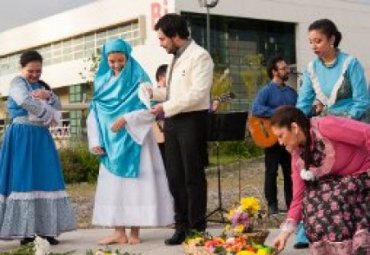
(276, 93)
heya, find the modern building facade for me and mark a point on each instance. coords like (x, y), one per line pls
(244, 33)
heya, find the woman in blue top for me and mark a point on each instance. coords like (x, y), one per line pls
(334, 79)
(334, 83)
(33, 200)
(132, 188)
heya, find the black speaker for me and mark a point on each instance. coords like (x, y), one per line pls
(228, 126)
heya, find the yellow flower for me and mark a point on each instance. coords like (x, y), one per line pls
(230, 214)
(227, 227)
(246, 253)
(239, 228)
(263, 251)
(250, 204)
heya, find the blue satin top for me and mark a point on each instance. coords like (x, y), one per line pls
(114, 97)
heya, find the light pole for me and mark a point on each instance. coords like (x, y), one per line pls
(208, 4)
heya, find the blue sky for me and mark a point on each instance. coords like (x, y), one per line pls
(18, 12)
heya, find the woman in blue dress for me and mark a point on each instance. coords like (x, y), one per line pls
(334, 83)
(33, 200)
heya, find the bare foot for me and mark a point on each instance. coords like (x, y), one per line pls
(134, 236)
(133, 240)
(114, 239)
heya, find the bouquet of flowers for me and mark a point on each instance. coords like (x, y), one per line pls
(222, 245)
(241, 218)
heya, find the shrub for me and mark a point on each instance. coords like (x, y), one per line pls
(78, 163)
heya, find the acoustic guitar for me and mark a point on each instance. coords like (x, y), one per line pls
(158, 125)
(260, 131)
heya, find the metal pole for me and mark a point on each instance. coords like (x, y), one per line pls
(208, 31)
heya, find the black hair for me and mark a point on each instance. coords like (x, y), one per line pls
(171, 25)
(284, 116)
(29, 56)
(161, 70)
(328, 28)
(44, 84)
(271, 65)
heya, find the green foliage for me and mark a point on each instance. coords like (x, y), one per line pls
(78, 163)
(221, 86)
(29, 250)
(255, 75)
(230, 151)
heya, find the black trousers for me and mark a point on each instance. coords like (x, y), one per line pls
(274, 156)
(185, 150)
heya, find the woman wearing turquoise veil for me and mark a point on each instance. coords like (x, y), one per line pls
(132, 189)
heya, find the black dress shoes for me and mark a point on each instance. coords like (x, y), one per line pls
(273, 209)
(177, 238)
(27, 240)
(52, 240)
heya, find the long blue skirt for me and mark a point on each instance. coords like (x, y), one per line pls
(33, 200)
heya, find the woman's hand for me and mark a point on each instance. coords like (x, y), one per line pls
(98, 150)
(280, 241)
(318, 107)
(118, 124)
(41, 94)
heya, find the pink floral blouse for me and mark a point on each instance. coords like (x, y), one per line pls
(344, 149)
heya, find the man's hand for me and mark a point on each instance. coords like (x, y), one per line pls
(157, 109)
(149, 89)
(215, 105)
(118, 124)
(98, 150)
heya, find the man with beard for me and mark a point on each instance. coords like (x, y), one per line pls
(185, 106)
(276, 93)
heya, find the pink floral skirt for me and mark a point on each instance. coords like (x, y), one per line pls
(336, 215)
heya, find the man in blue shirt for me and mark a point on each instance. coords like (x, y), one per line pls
(276, 93)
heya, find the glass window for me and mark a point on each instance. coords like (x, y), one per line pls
(244, 45)
(76, 48)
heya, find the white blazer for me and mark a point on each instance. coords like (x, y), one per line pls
(191, 83)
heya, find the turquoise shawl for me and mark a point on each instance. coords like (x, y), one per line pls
(114, 97)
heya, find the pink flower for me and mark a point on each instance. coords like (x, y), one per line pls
(336, 192)
(325, 187)
(320, 213)
(336, 219)
(318, 228)
(358, 212)
(332, 236)
(345, 231)
(309, 208)
(351, 186)
(326, 197)
(311, 194)
(334, 206)
(346, 215)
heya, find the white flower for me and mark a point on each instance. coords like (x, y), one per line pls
(307, 175)
(42, 246)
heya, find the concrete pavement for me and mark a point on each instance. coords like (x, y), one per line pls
(84, 239)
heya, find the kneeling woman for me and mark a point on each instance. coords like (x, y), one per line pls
(132, 188)
(331, 181)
